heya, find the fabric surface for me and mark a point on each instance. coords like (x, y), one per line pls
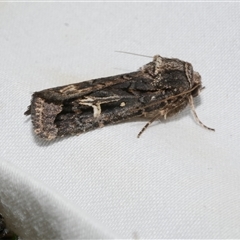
(177, 181)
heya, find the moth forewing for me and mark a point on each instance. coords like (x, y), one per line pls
(162, 87)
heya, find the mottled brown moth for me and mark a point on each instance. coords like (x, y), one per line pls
(160, 88)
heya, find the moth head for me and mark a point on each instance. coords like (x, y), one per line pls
(197, 84)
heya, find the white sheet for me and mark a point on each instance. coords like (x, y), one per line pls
(177, 181)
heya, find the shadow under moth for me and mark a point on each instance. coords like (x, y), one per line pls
(161, 88)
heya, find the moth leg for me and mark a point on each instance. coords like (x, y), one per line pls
(163, 112)
(195, 114)
(147, 125)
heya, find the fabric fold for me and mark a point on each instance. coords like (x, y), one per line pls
(33, 211)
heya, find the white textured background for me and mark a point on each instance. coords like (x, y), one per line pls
(177, 181)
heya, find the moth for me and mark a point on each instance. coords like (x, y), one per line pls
(161, 88)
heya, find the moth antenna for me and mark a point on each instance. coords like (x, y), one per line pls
(134, 54)
(147, 125)
(196, 116)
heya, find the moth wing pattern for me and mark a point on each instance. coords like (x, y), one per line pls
(162, 87)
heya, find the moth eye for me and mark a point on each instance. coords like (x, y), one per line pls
(196, 91)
